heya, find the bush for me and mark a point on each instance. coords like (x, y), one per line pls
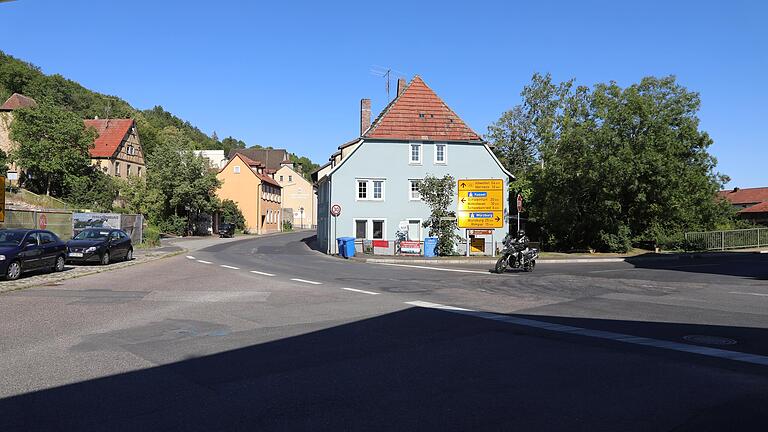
(230, 213)
(287, 226)
(151, 236)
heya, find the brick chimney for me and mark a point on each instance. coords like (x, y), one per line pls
(400, 85)
(365, 115)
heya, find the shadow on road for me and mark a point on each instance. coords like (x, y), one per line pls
(745, 265)
(416, 369)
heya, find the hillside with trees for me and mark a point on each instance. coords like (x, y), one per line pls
(17, 76)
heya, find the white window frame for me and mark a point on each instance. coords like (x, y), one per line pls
(410, 154)
(369, 227)
(369, 189)
(410, 192)
(373, 189)
(445, 154)
(236, 169)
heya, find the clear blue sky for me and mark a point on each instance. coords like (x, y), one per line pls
(290, 74)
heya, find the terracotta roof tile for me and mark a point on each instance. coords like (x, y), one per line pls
(745, 196)
(757, 208)
(418, 113)
(267, 179)
(111, 133)
(17, 101)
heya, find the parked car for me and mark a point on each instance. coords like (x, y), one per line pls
(24, 250)
(102, 245)
(226, 230)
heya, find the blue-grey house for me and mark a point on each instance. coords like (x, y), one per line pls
(373, 178)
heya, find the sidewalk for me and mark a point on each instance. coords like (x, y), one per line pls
(558, 258)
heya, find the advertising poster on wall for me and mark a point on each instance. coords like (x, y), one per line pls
(408, 247)
(81, 221)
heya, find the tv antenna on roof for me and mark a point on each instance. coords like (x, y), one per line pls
(387, 74)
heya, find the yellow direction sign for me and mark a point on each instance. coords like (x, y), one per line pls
(481, 203)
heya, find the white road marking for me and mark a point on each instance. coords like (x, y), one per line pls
(437, 268)
(600, 334)
(204, 262)
(261, 273)
(307, 281)
(229, 267)
(748, 293)
(190, 257)
(361, 291)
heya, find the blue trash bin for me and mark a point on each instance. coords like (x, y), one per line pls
(430, 244)
(346, 246)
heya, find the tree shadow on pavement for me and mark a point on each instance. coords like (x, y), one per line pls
(415, 369)
(744, 265)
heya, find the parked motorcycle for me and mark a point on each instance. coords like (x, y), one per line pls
(517, 254)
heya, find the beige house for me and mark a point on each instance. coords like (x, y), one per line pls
(298, 196)
(13, 103)
(117, 149)
(257, 195)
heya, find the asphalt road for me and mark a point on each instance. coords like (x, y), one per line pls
(266, 334)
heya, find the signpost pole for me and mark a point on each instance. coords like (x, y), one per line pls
(466, 236)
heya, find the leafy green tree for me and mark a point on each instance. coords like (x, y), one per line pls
(53, 144)
(611, 166)
(230, 213)
(437, 193)
(229, 143)
(178, 187)
(95, 191)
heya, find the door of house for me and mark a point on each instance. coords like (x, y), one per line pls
(414, 229)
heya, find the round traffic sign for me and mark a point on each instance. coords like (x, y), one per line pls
(519, 203)
(335, 210)
(42, 221)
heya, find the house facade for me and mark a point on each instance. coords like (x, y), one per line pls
(16, 101)
(258, 196)
(298, 196)
(374, 178)
(117, 150)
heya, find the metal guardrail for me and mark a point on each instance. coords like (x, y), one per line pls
(723, 240)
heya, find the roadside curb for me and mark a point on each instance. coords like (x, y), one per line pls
(56, 278)
(671, 257)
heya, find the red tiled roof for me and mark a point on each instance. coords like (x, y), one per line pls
(17, 101)
(757, 208)
(111, 132)
(250, 161)
(745, 196)
(418, 113)
(267, 179)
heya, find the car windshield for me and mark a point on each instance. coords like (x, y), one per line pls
(11, 238)
(92, 235)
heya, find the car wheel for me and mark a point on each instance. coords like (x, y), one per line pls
(105, 258)
(59, 266)
(14, 271)
(129, 255)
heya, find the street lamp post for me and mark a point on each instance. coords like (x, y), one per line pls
(301, 211)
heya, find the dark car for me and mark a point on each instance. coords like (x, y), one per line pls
(24, 250)
(102, 245)
(226, 230)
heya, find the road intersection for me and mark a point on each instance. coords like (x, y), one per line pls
(267, 334)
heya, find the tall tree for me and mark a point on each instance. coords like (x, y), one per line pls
(610, 167)
(53, 144)
(437, 193)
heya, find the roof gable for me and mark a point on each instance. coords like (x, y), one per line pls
(419, 114)
(17, 101)
(111, 133)
(745, 196)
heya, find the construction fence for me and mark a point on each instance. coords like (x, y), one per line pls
(67, 224)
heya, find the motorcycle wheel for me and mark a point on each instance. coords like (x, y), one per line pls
(530, 265)
(501, 265)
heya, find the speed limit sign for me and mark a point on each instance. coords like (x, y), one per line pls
(335, 210)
